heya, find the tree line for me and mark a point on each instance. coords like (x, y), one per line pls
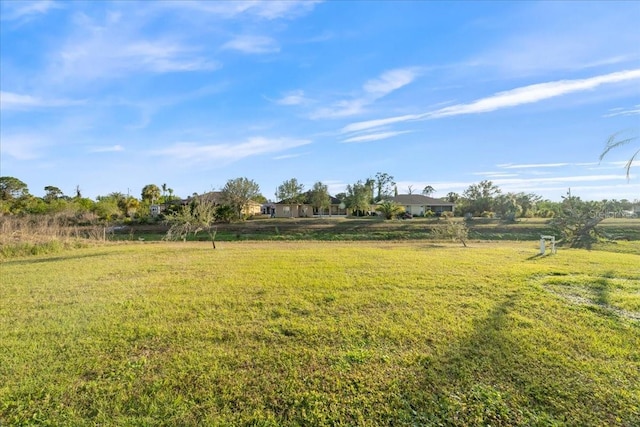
(483, 199)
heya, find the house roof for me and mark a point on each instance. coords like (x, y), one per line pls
(419, 199)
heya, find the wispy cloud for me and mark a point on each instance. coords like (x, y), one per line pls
(252, 44)
(23, 146)
(372, 90)
(496, 174)
(560, 179)
(374, 136)
(338, 109)
(111, 149)
(102, 57)
(508, 99)
(370, 124)
(532, 165)
(16, 101)
(289, 156)
(114, 48)
(293, 98)
(269, 10)
(389, 81)
(534, 93)
(632, 111)
(230, 152)
(22, 9)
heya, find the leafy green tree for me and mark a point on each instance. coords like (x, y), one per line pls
(527, 203)
(341, 196)
(238, 192)
(384, 184)
(613, 142)
(150, 193)
(12, 188)
(506, 206)
(319, 197)
(452, 197)
(480, 197)
(107, 208)
(389, 209)
(224, 213)
(428, 191)
(547, 209)
(290, 192)
(52, 193)
(260, 199)
(359, 197)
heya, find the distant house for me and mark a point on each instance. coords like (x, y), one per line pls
(417, 204)
(303, 209)
(268, 209)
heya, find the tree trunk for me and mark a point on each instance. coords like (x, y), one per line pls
(213, 237)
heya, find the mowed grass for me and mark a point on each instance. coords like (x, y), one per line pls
(320, 333)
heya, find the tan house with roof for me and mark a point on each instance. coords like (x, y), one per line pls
(304, 209)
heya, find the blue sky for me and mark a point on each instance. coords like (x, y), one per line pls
(112, 96)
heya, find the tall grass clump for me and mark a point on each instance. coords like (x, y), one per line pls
(41, 234)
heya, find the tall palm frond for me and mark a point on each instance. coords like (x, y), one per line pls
(613, 142)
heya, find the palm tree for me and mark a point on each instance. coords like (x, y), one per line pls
(389, 209)
(612, 143)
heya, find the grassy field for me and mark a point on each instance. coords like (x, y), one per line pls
(321, 333)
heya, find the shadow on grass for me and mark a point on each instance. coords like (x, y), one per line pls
(494, 376)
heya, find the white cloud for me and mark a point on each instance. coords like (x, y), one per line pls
(340, 109)
(21, 9)
(508, 99)
(534, 93)
(389, 81)
(375, 136)
(16, 101)
(372, 90)
(560, 179)
(252, 44)
(534, 165)
(115, 49)
(231, 152)
(293, 98)
(288, 156)
(632, 111)
(23, 146)
(269, 10)
(370, 124)
(496, 174)
(111, 149)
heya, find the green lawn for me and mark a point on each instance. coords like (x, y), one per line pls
(321, 333)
